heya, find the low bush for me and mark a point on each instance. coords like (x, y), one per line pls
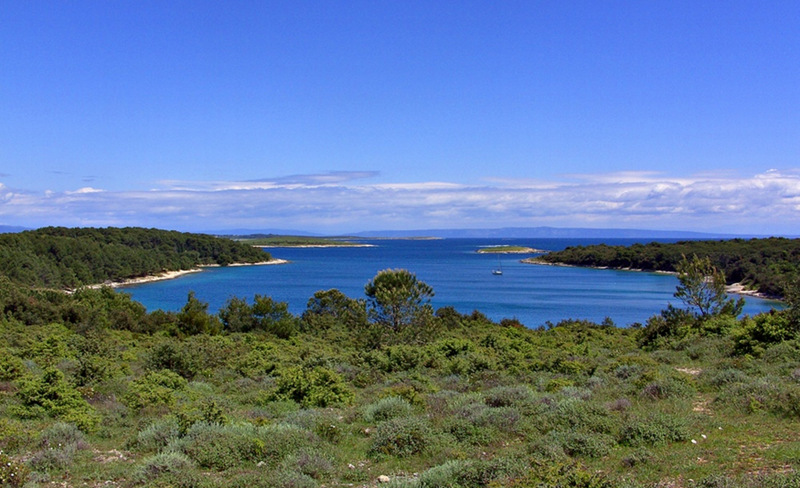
(653, 430)
(309, 462)
(12, 472)
(508, 396)
(11, 367)
(53, 458)
(223, 447)
(53, 395)
(401, 437)
(155, 388)
(165, 463)
(577, 443)
(158, 435)
(387, 408)
(62, 434)
(316, 387)
(13, 434)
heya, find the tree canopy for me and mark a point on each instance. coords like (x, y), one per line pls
(765, 265)
(59, 257)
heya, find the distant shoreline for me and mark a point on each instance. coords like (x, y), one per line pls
(734, 288)
(502, 249)
(262, 246)
(171, 275)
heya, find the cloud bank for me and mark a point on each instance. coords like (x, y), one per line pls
(340, 202)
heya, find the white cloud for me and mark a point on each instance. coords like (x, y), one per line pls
(84, 190)
(338, 202)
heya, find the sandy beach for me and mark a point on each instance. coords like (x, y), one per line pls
(169, 275)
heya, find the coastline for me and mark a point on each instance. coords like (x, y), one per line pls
(733, 289)
(300, 246)
(170, 275)
(513, 250)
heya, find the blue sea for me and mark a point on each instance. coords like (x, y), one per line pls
(459, 276)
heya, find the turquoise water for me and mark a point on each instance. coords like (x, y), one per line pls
(460, 278)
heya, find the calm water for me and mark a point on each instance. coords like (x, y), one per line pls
(459, 276)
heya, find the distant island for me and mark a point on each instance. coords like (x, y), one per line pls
(297, 241)
(509, 250)
(548, 233)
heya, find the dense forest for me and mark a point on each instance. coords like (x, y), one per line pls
(383, 390)
(765, 265)
(65, 258)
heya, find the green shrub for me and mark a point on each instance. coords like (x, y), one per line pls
(165, 463)
(54, 396)
(401, 437)
(53, 458)
(260, 361)
(471, 474)
(576, 414)
(469, 363)
(724, 377)
(12, 472)
(309, 462)
(12, 434)
(155, 388)
(291, 479)
(60, 442)
(562, 475)
(62, 434)
(467, 431)
(556, 384)
(387, 408)
(158, 435)
(588, 444)
(508, 396)
(317, 387)
(764, 329)
(401, 357)
(653, 430)
(753, 395)
(637, 457)
(667, 387)
(223, 447)
(444, 475)
(11, 367)
(169, 356)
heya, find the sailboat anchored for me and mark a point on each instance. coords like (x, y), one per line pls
(499, 269)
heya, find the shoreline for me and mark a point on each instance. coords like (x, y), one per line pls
(733, 288)
(171, 275)
(301, 246)
(500, 250)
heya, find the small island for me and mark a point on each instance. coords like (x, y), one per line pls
(509, 250)
(297, 241)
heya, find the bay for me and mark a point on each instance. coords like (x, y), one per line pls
(460, 276)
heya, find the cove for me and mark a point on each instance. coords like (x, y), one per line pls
(460, 277)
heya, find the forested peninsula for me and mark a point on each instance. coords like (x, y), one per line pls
(763, 265)
(66, 258)
(379, 389)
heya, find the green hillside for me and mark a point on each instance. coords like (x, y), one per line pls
(61, 258)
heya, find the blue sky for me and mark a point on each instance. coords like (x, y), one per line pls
(338, 117)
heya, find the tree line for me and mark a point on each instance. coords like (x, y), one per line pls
(65, 258)
(766, 265)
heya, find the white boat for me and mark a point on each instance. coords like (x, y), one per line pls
(499, 269)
